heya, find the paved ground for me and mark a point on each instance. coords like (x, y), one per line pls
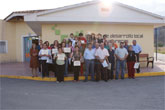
(142, 94)
(160, 56)
(22, 69)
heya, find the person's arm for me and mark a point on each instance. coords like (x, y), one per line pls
(140, 49)
(85, 53)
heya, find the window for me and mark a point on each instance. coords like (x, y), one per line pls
(3, 46)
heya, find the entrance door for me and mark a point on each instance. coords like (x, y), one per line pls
(27, 46)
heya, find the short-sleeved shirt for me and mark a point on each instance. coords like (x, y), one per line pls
(101, 53)
(60, 62)
(137, 48)
(121, 52)
(89, 54)
(45, 57)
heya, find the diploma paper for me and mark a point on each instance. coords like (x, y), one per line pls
(67, 50)
(136, 65)
(49, 61)
(54, 51)
(60, 57)
(105, 64)
(44, 52)
(82, 41)
(76, 63)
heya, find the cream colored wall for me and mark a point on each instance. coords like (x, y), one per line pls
(147, 42)
(22, 29)
(13, 32)
(7, 32)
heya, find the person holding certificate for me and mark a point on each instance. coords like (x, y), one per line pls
(45, 54)
(76, 56)
(131, 59)
(60, 61)
(102, 55)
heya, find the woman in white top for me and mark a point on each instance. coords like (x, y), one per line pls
(60, 61)
(44, 54)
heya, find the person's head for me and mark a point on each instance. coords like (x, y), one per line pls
(134, 42)
(102, 45)
(126, 42)
(45, 45)
(89, 46)
(70, 44)
(60, 49)
(130, 48)
(76, 48)
(110, 46)
(41, 46)
(63, 44)
(80, 34)
(76, 38)
(33, 46)
(121, 44)
(71, 35)
(112, 41)
(99, 36)
(93, 35)
(97, 45)
(40, 42)
(64, 40)
(55, 43)
(105, 36)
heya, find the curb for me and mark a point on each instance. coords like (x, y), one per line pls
(149, 74)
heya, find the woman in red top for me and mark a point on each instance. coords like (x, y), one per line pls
(34, 60)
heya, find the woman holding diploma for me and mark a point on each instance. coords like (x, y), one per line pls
(34, 60)
(60, 61)
(76, 56)
(45, 54)
(131, 59)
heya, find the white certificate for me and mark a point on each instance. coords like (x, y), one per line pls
(67, 50)
(44, 52)
(136, 65)
(60, 57)
(54, 51)
(105, 64)
(82, 41)
(49, 61)
(76, 63)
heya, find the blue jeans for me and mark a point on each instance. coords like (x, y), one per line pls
(89, 66)
(120, 64)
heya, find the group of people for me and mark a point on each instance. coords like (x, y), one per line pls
(95, 54)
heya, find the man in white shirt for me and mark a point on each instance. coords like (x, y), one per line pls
(121, 54)
(101, 55)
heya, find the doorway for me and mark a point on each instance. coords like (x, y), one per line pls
(27, 41)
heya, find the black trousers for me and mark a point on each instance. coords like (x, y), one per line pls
(101, 72)
(60, 72)
(137, 59)
(39, 68)
(76, 70)
(44, 66)
(55, 68)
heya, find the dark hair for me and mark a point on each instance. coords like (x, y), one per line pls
(71, 34)
(80, 34)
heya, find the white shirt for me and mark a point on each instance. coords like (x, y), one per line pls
(45, 57)
(101, 53)
(121, 52)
